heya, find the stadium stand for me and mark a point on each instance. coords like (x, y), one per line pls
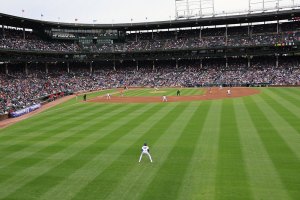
(45, 61)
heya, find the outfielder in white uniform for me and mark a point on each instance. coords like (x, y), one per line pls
(145, 150)
(164, 98)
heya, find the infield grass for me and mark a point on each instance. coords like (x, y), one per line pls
(239, 148)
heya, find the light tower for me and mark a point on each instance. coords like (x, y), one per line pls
(193, 8)
(207, 7)
(264, 5)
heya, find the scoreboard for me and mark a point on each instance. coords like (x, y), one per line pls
(86, 36)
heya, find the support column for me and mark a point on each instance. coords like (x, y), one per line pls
(152, 35)
(226, 62)
(226, 35)
(136, 37)
(46, 66)
(91, 67)
(3, 32)
(137, 65)
(153, 68)
(6, 68)
(249, 62)
(68, 67)
(200, 33)
(24, 36)
(26, 69)
(114, 65)
(248, 29)
(176, 63)
(201, 63)
(277, 62)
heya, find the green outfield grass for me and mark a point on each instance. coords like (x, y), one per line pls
(134, 92)
(161, 91)
(242, 148)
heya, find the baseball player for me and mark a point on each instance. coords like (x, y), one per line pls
(145, 150)
(164, 98)
(229, 92)
(108, 96)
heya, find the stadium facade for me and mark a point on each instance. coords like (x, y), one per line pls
(273, 34)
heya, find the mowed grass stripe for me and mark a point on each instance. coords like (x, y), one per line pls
(31, 155)
(35, 133)
(187, 92)
(169, 178)
(289, 94)
(200, 179)
(149, 92)
(287, 112)
(170, 92)
(59, 153)
(44, 125)
(135, 92)
(124, 137)
(63, 107)
(162, 91)
(40, 144)
(144, 92)
(284, 159)
(288, 134)
(264, 180)
(232, 180)
(77, 160)
(106, 181)
(41, 139)
(290, 114)
(294, 90)
(21, 128)
(162, 140)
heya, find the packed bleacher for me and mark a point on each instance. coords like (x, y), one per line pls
(14, 39)
(18, 90)
(271, 39)
(240, 36)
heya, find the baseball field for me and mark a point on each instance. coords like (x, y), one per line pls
(234, 147)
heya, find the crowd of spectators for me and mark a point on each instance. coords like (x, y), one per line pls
(16, 40)
(37, 45)
(168, 40)
(266, 39)
(18, 90)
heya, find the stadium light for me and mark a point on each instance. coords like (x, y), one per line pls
(264, 5)
(193, 8)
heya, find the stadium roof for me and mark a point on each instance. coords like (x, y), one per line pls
(15, 21)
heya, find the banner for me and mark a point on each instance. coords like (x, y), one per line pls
(25, 110)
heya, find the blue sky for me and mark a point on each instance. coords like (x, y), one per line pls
(108, 11)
